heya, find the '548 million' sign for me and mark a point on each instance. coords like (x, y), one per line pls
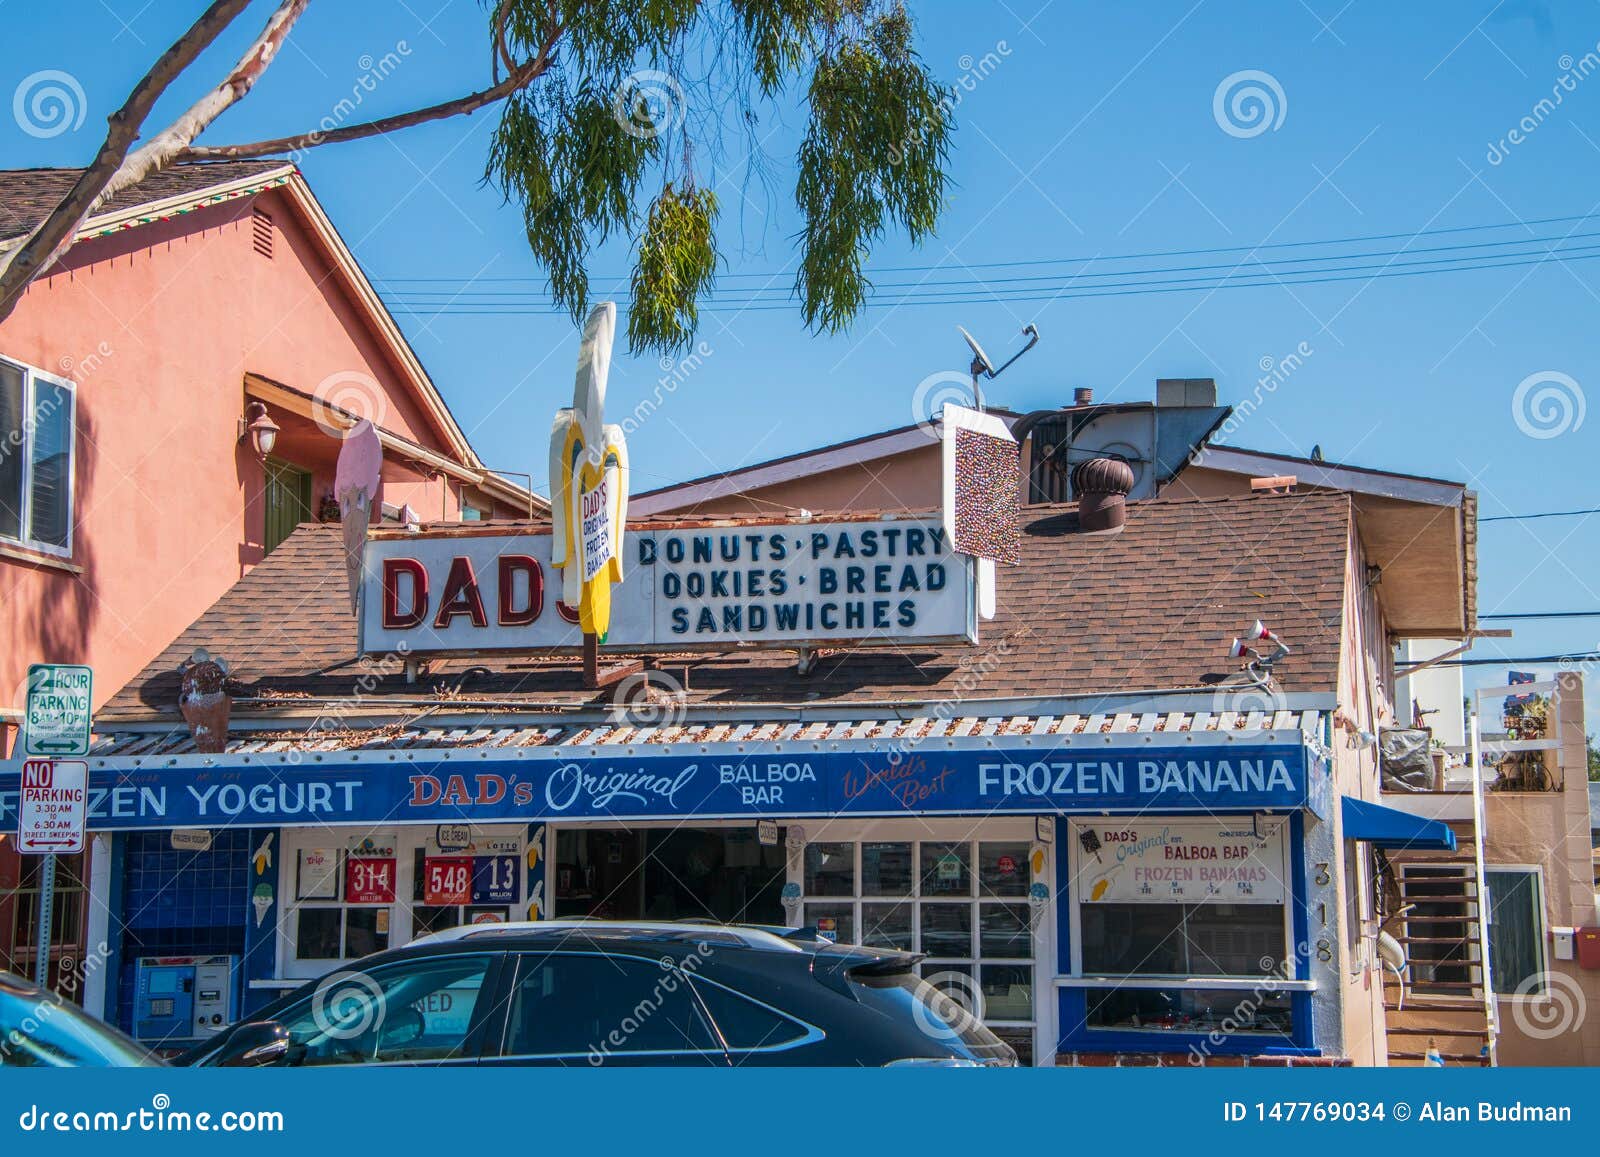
(778, 584)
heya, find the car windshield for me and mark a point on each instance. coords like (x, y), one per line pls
(39, 1030)
(939, 1015)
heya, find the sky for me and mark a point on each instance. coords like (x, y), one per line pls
(1084, 130)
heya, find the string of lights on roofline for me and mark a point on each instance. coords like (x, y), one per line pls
(203, 203)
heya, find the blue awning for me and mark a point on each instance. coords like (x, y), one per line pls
(1387, 827)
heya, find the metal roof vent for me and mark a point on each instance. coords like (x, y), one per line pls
(1102, 486)
(261, 232)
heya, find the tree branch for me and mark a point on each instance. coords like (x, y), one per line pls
(168, 146)
(520, 77)
(21, 262)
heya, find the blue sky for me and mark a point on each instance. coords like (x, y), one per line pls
(1085, 129)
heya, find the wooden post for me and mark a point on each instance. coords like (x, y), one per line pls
(591, 660)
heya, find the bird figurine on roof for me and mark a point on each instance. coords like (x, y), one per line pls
(589, 483)
(355, 486)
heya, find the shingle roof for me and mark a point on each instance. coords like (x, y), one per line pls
(28, 195)
(1150, 609)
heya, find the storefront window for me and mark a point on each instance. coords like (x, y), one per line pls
(1191, 1010)
(346, 898)
(962, 903)
(830, 869)
(885, 869)
(946, 870)
(1204, 901)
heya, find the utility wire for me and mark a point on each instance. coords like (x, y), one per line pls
(1545, 615)
(489, 310)
(1149, 254)
(970, 285)
(1542, 514)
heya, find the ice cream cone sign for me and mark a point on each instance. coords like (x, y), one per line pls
(589, 483)
(355, 485)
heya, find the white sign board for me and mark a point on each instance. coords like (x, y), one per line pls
(58, 716)
(596, 530)
(53, 806)
(1225, 861)
(870, 582)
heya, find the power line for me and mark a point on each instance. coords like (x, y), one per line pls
(969, 285)
(1545, 615)
(1542, 514)
(488, 310)
(1535, 660)
(1148, 254)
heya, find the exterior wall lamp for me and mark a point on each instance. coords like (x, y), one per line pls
(258, 426)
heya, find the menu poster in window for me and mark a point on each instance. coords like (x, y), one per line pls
(1226, 862)
(494, 880)
(317, 877)
(369, 880)
(447, 880)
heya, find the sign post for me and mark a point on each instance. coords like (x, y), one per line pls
(54, 802)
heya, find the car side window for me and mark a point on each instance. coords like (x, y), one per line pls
(593, 1006)
(419, 1010)
(747, 1024)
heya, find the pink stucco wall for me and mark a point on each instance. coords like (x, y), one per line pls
(158, 327)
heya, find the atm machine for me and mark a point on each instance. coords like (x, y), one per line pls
(184, 998)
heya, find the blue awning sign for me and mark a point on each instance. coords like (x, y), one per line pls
(974, 781)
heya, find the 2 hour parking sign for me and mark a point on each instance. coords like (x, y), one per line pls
(58, 715)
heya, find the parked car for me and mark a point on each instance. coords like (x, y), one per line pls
(40, 1030)
(602, 993)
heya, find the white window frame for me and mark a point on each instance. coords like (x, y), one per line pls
(1542, 938)
(405, 841)
(31, 375)
(960, 831)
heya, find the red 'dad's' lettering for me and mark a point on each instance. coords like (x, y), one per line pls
(511, 615)
(395, 619)
(461, 596)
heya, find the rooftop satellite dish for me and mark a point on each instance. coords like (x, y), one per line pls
(980, 360)
(982, 367)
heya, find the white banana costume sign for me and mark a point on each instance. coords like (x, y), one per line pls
(589, 483)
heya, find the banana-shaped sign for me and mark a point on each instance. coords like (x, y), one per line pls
(589, 483)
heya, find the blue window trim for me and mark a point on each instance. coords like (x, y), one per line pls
(1072, 1004)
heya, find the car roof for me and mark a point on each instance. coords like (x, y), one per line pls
(658, 933)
